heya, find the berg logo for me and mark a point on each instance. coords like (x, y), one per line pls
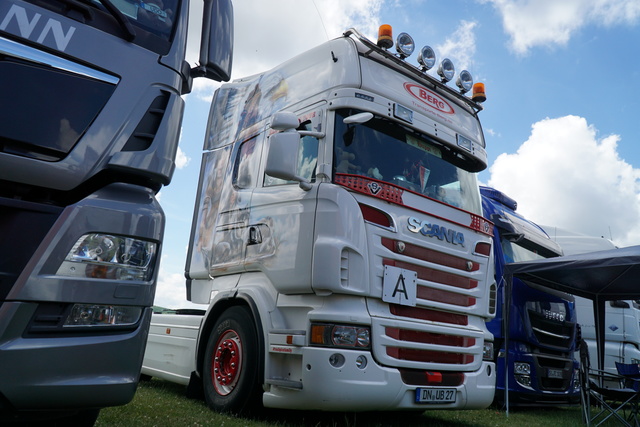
(429, 98)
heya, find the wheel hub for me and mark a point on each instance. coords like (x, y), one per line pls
(226, 363)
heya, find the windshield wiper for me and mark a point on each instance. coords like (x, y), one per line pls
(123, 21)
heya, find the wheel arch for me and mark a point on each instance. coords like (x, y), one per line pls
(214, 314)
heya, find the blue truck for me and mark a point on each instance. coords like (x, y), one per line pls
(540, 341)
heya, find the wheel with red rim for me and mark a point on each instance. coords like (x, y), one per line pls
(227, 363)
(232, 374)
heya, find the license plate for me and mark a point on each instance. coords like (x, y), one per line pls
(555, 373)
(435, 395)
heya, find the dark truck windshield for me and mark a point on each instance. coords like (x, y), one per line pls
(156, 16)
(386, 151)
(147, 23)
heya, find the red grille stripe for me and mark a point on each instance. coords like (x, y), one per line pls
(429, 356)
(427, 314)
(426, 273)
(430, 255)
(430, 338)
(438, 295)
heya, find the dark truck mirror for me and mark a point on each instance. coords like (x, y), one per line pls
(216, 45)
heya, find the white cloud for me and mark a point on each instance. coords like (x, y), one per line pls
(171, 291)
(267, 33)
(565, 176)
(182, 160)
(460, 47)
(551, 23)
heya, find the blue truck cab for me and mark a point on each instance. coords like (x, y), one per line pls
(541, 327)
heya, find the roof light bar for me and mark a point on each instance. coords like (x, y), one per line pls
(464, 81)
(405, 45)
(446, 70)
(427, 58)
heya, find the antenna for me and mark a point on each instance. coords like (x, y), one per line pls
(320, 16)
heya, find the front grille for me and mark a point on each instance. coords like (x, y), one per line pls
(550, 332)
(446, 293)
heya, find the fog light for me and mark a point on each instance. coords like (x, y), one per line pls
(102, 315)
(336, 360)
(361, 362)
(524, 380)
(576, 380)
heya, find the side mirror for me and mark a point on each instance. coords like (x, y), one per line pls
(216, 44)
(282, 160)
(284, 120)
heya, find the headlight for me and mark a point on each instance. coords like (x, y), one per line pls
(522, 368)
(487, 351)
(105, 256)
(345, 336)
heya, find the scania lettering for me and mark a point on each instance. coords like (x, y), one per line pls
(91, 113)
(337, 248)
(434, 230)
(539, 338)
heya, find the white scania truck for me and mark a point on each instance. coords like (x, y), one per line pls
(338, 245)
(90, 113)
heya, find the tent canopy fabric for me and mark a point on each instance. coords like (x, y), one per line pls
(605, 275)
(599, 276)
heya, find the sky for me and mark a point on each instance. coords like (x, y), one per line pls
(561, 120)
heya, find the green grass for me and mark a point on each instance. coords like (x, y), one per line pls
(160, 403)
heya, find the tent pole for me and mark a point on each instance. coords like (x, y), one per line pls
(507, 312)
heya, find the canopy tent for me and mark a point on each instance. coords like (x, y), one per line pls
(599, 276)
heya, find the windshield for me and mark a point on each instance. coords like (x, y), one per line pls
(154, 16)
(386, 151)
(514, 252)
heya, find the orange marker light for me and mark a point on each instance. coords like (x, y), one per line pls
(478, 93)
(385, 36)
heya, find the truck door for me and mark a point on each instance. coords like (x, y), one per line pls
(281, 218)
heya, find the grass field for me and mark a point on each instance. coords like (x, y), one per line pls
(160, 403)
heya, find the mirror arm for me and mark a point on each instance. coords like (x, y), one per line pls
(318, 135)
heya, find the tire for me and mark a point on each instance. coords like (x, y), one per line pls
(232, 373)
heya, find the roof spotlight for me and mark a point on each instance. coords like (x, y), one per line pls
(464, 81)
(405, 45)
(446, 70)
(427, 58)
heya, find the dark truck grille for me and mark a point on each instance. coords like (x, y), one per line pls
(554, 366)
(552, 333)
(48, 107)
(23, 226)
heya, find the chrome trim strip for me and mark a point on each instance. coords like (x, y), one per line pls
(27, 53)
